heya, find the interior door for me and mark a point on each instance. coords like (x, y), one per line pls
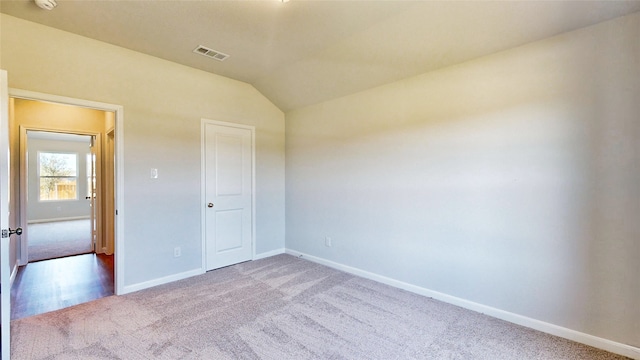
(5, 266)
(228, 153)
(109, 192)
(91, 196)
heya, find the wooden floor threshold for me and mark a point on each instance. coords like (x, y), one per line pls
(55, 284)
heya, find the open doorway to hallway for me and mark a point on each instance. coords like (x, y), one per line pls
(60, 194)
(64, 200)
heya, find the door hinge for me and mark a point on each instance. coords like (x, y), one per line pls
(5, 233)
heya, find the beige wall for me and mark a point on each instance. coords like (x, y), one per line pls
(511, 181)
(163, 106)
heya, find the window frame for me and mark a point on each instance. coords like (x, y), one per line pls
(74, 177)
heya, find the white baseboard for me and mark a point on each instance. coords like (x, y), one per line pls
(604, 344)
(155, 282)
(269, 254)
(167, 279)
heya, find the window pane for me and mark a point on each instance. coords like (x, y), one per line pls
(58, 189)
(58, 164)
(58, 176)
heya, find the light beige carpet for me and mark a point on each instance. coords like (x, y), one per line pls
(281, 307)
(56, 239)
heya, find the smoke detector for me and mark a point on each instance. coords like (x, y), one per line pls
(46, 4)
(205, 51)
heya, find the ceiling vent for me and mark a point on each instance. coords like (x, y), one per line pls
(205, 51)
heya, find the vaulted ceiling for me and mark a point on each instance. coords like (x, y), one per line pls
(300, 53)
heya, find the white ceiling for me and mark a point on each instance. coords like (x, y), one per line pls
(304, 52)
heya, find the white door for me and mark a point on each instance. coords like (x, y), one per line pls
(5, 267)
(91, 195)
(109, 197)
(228, 185)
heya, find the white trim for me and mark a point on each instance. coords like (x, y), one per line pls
(252, 129)
(71, 218)
(118, 188)
(5, 243)
(23, 259)
(24, 182)
(161, 281)
(33, 95)
(608, 345)
(119, 268)
(269, 254)
(14, 273)
(203, 191)
(253, 190)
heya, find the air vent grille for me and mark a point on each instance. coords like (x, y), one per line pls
(205, 51)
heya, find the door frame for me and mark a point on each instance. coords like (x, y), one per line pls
(5, 242)
(109, 190)
(203, 189)
(23, 259)
(118, 110)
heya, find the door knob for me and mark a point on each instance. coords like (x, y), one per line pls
(210, 205)
(8, 232)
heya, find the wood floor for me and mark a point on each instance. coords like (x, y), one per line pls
(50, 285)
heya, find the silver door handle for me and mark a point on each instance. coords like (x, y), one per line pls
(8, 232)
(210, 205)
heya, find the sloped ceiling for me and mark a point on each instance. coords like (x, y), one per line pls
(304, 52)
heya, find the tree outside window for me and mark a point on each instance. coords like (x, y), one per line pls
(58, 176)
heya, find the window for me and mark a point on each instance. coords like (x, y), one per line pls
(58, 175)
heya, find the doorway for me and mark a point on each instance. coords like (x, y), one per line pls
(34, 116)
(228, 159)
(61, 171)
(61, 186)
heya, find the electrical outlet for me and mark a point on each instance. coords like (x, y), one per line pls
(154, 173)
(327, 241)
(177, 252)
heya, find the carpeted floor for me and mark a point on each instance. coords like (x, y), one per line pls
(56, 239)
(281, 307)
